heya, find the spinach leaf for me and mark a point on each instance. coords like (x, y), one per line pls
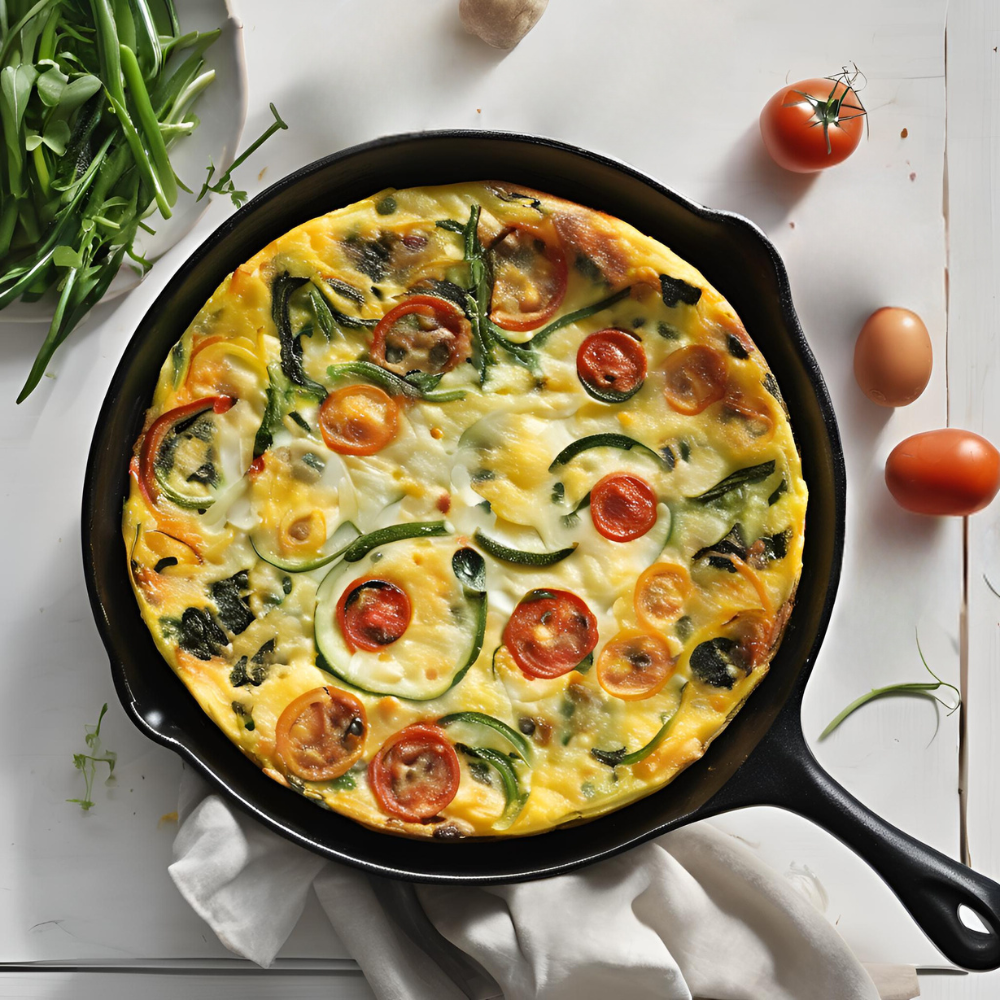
(233, 610)
(675, 291)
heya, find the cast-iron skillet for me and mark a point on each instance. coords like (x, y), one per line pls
(761, 758)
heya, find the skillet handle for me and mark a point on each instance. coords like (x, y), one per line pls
(782, 771)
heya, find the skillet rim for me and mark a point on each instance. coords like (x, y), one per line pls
(784, 725)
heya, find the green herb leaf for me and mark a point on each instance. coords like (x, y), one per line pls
(225, 185)
(87, 763)
(919, 688)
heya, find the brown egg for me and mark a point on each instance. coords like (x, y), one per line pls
(893, 357)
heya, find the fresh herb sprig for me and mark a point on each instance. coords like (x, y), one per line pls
(925, 689)
(87, 763)
(225, 185)
(92, 95)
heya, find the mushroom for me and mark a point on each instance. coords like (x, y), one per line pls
(501, 23)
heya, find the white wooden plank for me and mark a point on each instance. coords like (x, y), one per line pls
(973, 359)
(127, 985)
(973, 114)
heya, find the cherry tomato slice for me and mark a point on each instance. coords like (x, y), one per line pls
(812, 124)
(425, 334)
(358, 420)
(622, 506)
(634, 665)
(373, 613)
(321, 734)
(550, 632)
(529, 278)
(611, 365)
(660, 593)
(696, 378)
(416, 773)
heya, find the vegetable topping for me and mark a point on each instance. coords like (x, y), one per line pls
(416, 773)
(321, 734)
(425, 334)
(373, 613)
(634, 665)
(358, 420)
(611, 365)
(158, 455)
(660, 594)
(623, 507)
(696, 378)
(529, 278)
(550, 632)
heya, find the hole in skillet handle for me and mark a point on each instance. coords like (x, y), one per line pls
(944, 897)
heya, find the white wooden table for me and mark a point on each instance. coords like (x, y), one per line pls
(86, 907)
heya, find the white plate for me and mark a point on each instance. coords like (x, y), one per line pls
(222, 108)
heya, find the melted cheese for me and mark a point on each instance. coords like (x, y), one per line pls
(241, 631)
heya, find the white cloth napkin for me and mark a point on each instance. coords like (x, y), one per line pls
(692, 914)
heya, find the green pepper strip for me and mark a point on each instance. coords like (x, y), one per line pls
(622, 441)
(394, 533)
(514, 798)
(575, 317)
(512, 736)
(741, 477)
(619, 758)
(291, 350)
(520, 557)
(393, 384)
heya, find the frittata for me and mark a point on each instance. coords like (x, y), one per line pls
(467, 511)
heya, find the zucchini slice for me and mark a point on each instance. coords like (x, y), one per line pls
(444, 636)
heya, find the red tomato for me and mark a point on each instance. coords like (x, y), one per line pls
(425, 334)
(949, 471)
(372, 613)
(611, 365)
(634, 665)
(813, 124)
(529, 278)
(696, 378)
(358, 420)
(623, 507)
(416, 773)
(321, 734)
(550, 632)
